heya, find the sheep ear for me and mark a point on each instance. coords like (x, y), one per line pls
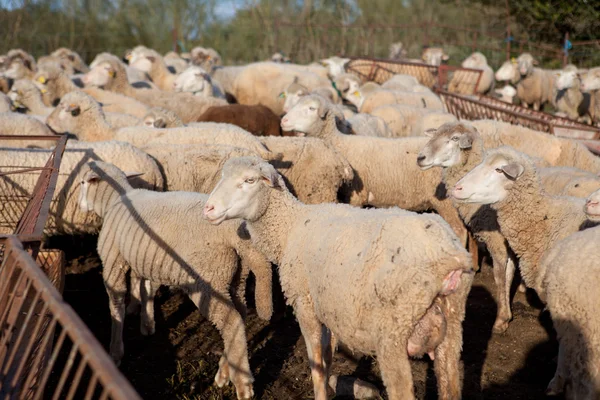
(295, 79)
(151, 58)
(71, 57)
(513, 170)
(92, 177)
(323, 110)
(465, 141)
(159, 123)
(131, 175)
(346, 61)
(429, 132)
(271, 177)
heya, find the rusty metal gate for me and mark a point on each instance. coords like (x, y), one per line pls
(47, 351)
(454, 79)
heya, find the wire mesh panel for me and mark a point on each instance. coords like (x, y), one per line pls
(45, 349)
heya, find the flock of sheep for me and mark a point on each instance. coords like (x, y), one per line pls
(191, 179)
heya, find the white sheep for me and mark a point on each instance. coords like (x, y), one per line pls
(15, 124)
(463, 82)
(536, 86)
(508, 72)
(434, 56)
(507, 94)
(204, 268)
(153, 64)
(198, 82)
(569, 99)
(370, 96)
(336, 66)
(361, 274)
(405, 120)
(175, 62)
(531, 220)
(591, 84)
(385, 170)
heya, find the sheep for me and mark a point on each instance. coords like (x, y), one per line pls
(362, 274)
(536, 85)
(152, 63)
(404, 120)
(457, 148)
(591, 85)
(25, 94)
(198, 82)
(369, 125)
(57, 84)
(371, 96)
(336, 66)
(294, 91)
(554, 150)
(19, 65)
(110, 75)
(64, 64)
(314, 171)
(569, 98)
(5, 103)
(65, 217)
(508, 72)
(73, 58)
(15, 124)
(205, 57)
(462, 82)
(567, 181)
(397, 51)
(206, 132)
(175, 62)
(158, 117)
(434, 56)
(257, 119)
(531, 220)
(261, 83)
(570, 283)
(346, 83)
(279, 57)
(204, 268)
(136, 77)
(507, 94)
(385, 170)
(401, 82)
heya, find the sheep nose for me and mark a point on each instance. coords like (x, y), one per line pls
(591, 203)
(284, 120)
(458, 188)
(420, 158)
(207, 209)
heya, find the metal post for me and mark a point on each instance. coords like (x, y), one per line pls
(508, 38)
(566, 46)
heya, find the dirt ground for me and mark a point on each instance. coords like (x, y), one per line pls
(181, 359)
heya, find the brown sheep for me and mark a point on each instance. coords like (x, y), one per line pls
(257, 119)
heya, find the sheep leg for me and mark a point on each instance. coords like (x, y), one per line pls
(447, 211)
(504, 271)
(474, 250)
(238, 289)
(115, 281)
(392, 357)
(312, 331)
(261, 268)
(218, 307)
(135, 298)
(536, 106)
(148, 291)
(447, 354)
(557, 384)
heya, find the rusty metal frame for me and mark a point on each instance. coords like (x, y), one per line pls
(47, 351)
(380, 70)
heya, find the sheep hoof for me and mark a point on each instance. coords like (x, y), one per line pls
(555, 387)
(245, 392)
(147, 329)
(222, 377)
(500, 326)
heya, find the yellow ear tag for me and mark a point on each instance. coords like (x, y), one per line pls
(208, 57)
(128, 57)
(41, 80)
(356, 93)
(111, 74)
(44, 91)
(513, 60)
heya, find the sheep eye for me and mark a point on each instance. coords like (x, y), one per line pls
(75, 112)
(499, 170)
(250, 181)
(455, 138)
(312, 108)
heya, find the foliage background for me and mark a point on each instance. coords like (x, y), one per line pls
(250, 30)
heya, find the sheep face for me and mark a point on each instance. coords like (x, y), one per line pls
(592, 207)
(581, 187)
(591, 82)
(489, 182)
(100, 75)
(65, 118)
(16, 69)
(291, 98)
(434, 56)
(508, 72)
(566, 79)
(143, 63)
(153, 121)
(243, 190)
(193, 80)
(506, 94)
(335, 66)
(304, 115)
(475, 60)
(445, 146)
(525, 64)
